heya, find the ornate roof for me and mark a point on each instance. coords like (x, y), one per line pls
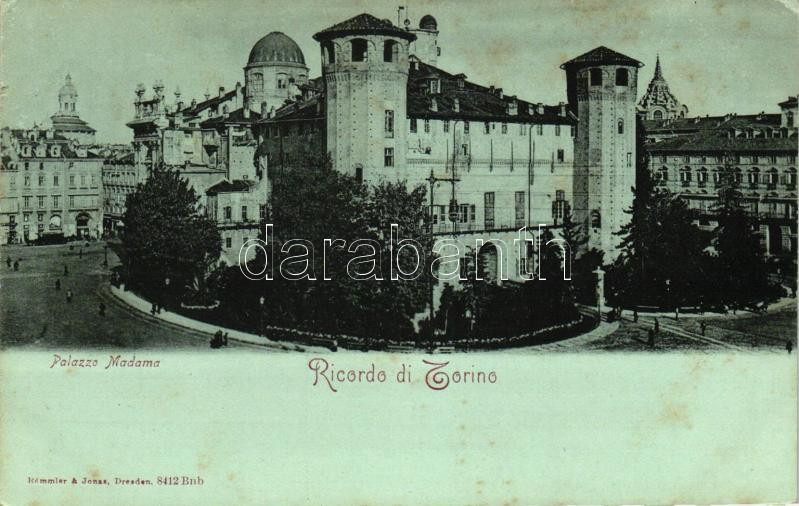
(276, 47)
(68, 90)
(428, 22)
(659, 95)
(363, 24)
(601, 55)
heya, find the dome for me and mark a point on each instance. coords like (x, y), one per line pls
(428, 22)
(276, 47)
(68, 90)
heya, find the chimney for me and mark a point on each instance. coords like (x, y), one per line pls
(456, 105)
(491, 89)
(239, 100)
(221, 91)
(194, 102)
(246, 112)
(499, 93)
(539, 108)
(513, 107)
(562, 111)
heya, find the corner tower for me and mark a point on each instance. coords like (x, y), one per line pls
(602, 91)
(425, 47)
(365, 70)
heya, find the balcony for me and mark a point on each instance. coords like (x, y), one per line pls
(685, 184)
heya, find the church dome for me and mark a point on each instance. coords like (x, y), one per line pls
(428, 22)
(276, 47)
(68, 90)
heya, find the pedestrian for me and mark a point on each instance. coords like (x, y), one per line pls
(702, 327)
(69, 295)
(80, 253)
(225, 339)
(102, 309)
(8, 262)
(16, 265)
(657, 326)
(152, 309)
(789, 345)
(66, 270)
(650, 338)
(635, 315)
(57, 284)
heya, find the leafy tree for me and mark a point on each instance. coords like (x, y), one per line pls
(583, 262)
(166, 237)
(741, 268)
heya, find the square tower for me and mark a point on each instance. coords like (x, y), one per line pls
(602, 92)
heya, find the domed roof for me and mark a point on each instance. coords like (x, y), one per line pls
(428, 22)
(276, 47)
(68, 90)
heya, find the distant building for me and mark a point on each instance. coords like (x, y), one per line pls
(690, 155)
(120, 178)
(51, 185)
(66, 121)
(658, 102)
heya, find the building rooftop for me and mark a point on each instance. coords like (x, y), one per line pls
(601, 55)
(225, 186)
(276, 47)
(363, 24)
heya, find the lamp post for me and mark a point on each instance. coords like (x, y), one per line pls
(261, 301)
(166, 290)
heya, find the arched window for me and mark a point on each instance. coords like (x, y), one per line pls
(622, 77)
(657, 115)
(773, 178)
(791, 177)
(596, 219)
(390, 51)
(328, 52)
(702, 176)
(737, 176)
(664, 174)
(359, 49)
(620, 126)
(596, 77)
(685, 175)
(257, 82)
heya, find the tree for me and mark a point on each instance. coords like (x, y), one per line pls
(662, 257)
(166, 237)
(741, 269)
(583, 262)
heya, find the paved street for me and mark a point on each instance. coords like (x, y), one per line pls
(34, 315)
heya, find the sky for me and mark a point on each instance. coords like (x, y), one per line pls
(718, 56)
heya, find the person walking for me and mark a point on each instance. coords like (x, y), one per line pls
(8, 262)
(224, 342)
(657, 325)
(702, 327)
(16, 265)
(651, 338)
(789, 345)
(69, 295)
(80, 252)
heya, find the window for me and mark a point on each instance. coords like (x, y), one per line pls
(83, 180)
(559, 206)
(439, 214)
(55, 180)
(487, 127)
(26, 217)
(262, 211)
(622, 77)
(435, 86)
(596, 77)
(71, 201)
(466, 127)
(228, 213)
(755, 159)
(539, 129)
(413, 125)
(466, 213)
(754, 176)
(359, 173)
(657, 115)
(41, 179)
(243, 213)
(596, 218)
(257, 82)
(41, 165)
(55, 201)
(27, 180)
(388, 157)
(328, 52)
(573, 131)
(488, 200)
(620, 126)
(772, 178)
(560, 156)
(685, 176)
(228, 242)
(26, 201)
(557, 130)
(389, 124)
(390, 51)
(281, 82)
(629, 159)
(40, 216)
(446, 125)
(427, 126)
(702, 176)
(521, 130)
(520, 215)
(40, 200)
(791, 179)
(94, 180)
(504, 128)
(359, 50)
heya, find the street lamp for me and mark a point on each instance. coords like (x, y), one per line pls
(166, 290)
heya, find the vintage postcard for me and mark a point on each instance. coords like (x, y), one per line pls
(398, 253)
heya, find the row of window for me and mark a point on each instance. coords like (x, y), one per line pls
(467, 213)
(754, 177)
(622, 77)
(732, 159)
(56, 181)
(359, 51)
(40, 201)
(487, 126)
(227, 213)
